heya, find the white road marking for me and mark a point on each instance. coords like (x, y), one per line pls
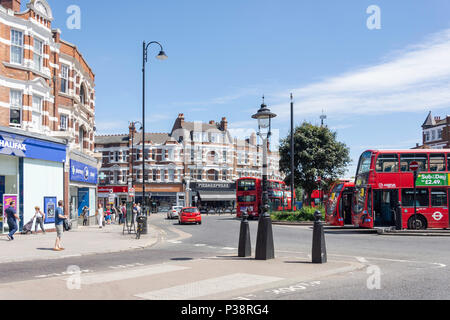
(129, 274)
(200, 245)
(228, 248)
(208, 287)
(175, 242)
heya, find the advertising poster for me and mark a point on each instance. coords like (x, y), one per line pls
(7, 200)
(49, 209)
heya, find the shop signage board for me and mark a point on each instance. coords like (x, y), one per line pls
(433, 180)
(80, 172)
(26, 147)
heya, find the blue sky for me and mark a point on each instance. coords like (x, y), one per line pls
(376, 86)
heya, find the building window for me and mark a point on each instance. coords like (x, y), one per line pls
(63, 122)
(171, 175)
(15, 112)
(81, 140)
(16, 47)
(36, 113)
(38, 51)
(439, 134)
(163, 175)
(82, 95)
(64, 78)
(433, 135)
(224, 155)
(171, 154)
(155, 175)
(224, 175)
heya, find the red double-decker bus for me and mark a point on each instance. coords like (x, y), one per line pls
(248, 196)
(384, 179)
(338, 206)
(288, 199)
(276, 191)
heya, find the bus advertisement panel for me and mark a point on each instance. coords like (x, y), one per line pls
(384, 181)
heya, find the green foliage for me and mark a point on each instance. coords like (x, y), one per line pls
(306, 214)
(317, 154)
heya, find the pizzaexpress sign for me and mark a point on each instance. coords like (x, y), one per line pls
(433, 180)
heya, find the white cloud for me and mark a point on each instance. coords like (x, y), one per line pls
(415, 79)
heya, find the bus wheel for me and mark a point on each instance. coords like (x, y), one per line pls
(420, 223)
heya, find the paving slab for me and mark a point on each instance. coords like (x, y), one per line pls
(77, 242)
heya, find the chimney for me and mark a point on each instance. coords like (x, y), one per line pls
(11, 4)
(181, 118)
(224, 124)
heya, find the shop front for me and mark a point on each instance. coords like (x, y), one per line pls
(112, 195)
(214, 197)
(161, 195)
(31, 175)
(82, 186)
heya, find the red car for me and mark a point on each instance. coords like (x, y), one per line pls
(190, 215)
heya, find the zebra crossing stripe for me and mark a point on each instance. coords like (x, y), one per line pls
(124, 274)
(208, 287)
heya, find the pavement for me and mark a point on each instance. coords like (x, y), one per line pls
(77, 242)
(222, 276)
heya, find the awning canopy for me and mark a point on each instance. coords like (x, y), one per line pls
(217, 196)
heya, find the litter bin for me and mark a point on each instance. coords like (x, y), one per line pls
(143, 220)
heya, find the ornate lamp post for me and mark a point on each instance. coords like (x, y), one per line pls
(264, 241)
(161, 56)
(133, 129)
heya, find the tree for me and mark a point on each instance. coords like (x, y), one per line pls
(317, 154)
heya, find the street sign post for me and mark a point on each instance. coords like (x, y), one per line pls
(414, 167)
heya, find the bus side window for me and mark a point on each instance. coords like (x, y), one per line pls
(437, 162)
(387, 163)
(422, 199)
(438, 198)
(421, 159)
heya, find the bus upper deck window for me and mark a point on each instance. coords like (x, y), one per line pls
(387, 163)
(437, 162)
(421, 159)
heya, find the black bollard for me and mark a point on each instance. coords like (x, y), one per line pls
(245, 248)
(319, 249)
(398, 217)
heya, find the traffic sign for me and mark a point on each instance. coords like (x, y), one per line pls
(414, 166)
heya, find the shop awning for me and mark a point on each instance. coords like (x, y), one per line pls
(217, 196)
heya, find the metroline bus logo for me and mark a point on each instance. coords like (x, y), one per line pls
(433, 179)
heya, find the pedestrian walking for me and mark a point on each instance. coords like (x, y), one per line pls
(108, 216)
(85, 215)
(135, 213)
(113, 214)
(40, 218)
(122, 210)
(100, 216)
(60, 217)
(12, 219)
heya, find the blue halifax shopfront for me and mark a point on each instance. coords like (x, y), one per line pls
(31, 171)
(83, 179)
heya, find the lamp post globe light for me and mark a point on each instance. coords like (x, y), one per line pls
(264, 242)
(161, 56)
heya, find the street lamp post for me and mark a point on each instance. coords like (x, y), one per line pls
(264, 242)
(161, 56)
(133, 128)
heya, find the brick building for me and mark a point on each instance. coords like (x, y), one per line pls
(47, 88)
(198, 160)
(436, 132)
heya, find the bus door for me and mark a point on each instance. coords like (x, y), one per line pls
(345, 208)
(384, 206)
(362, 214)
